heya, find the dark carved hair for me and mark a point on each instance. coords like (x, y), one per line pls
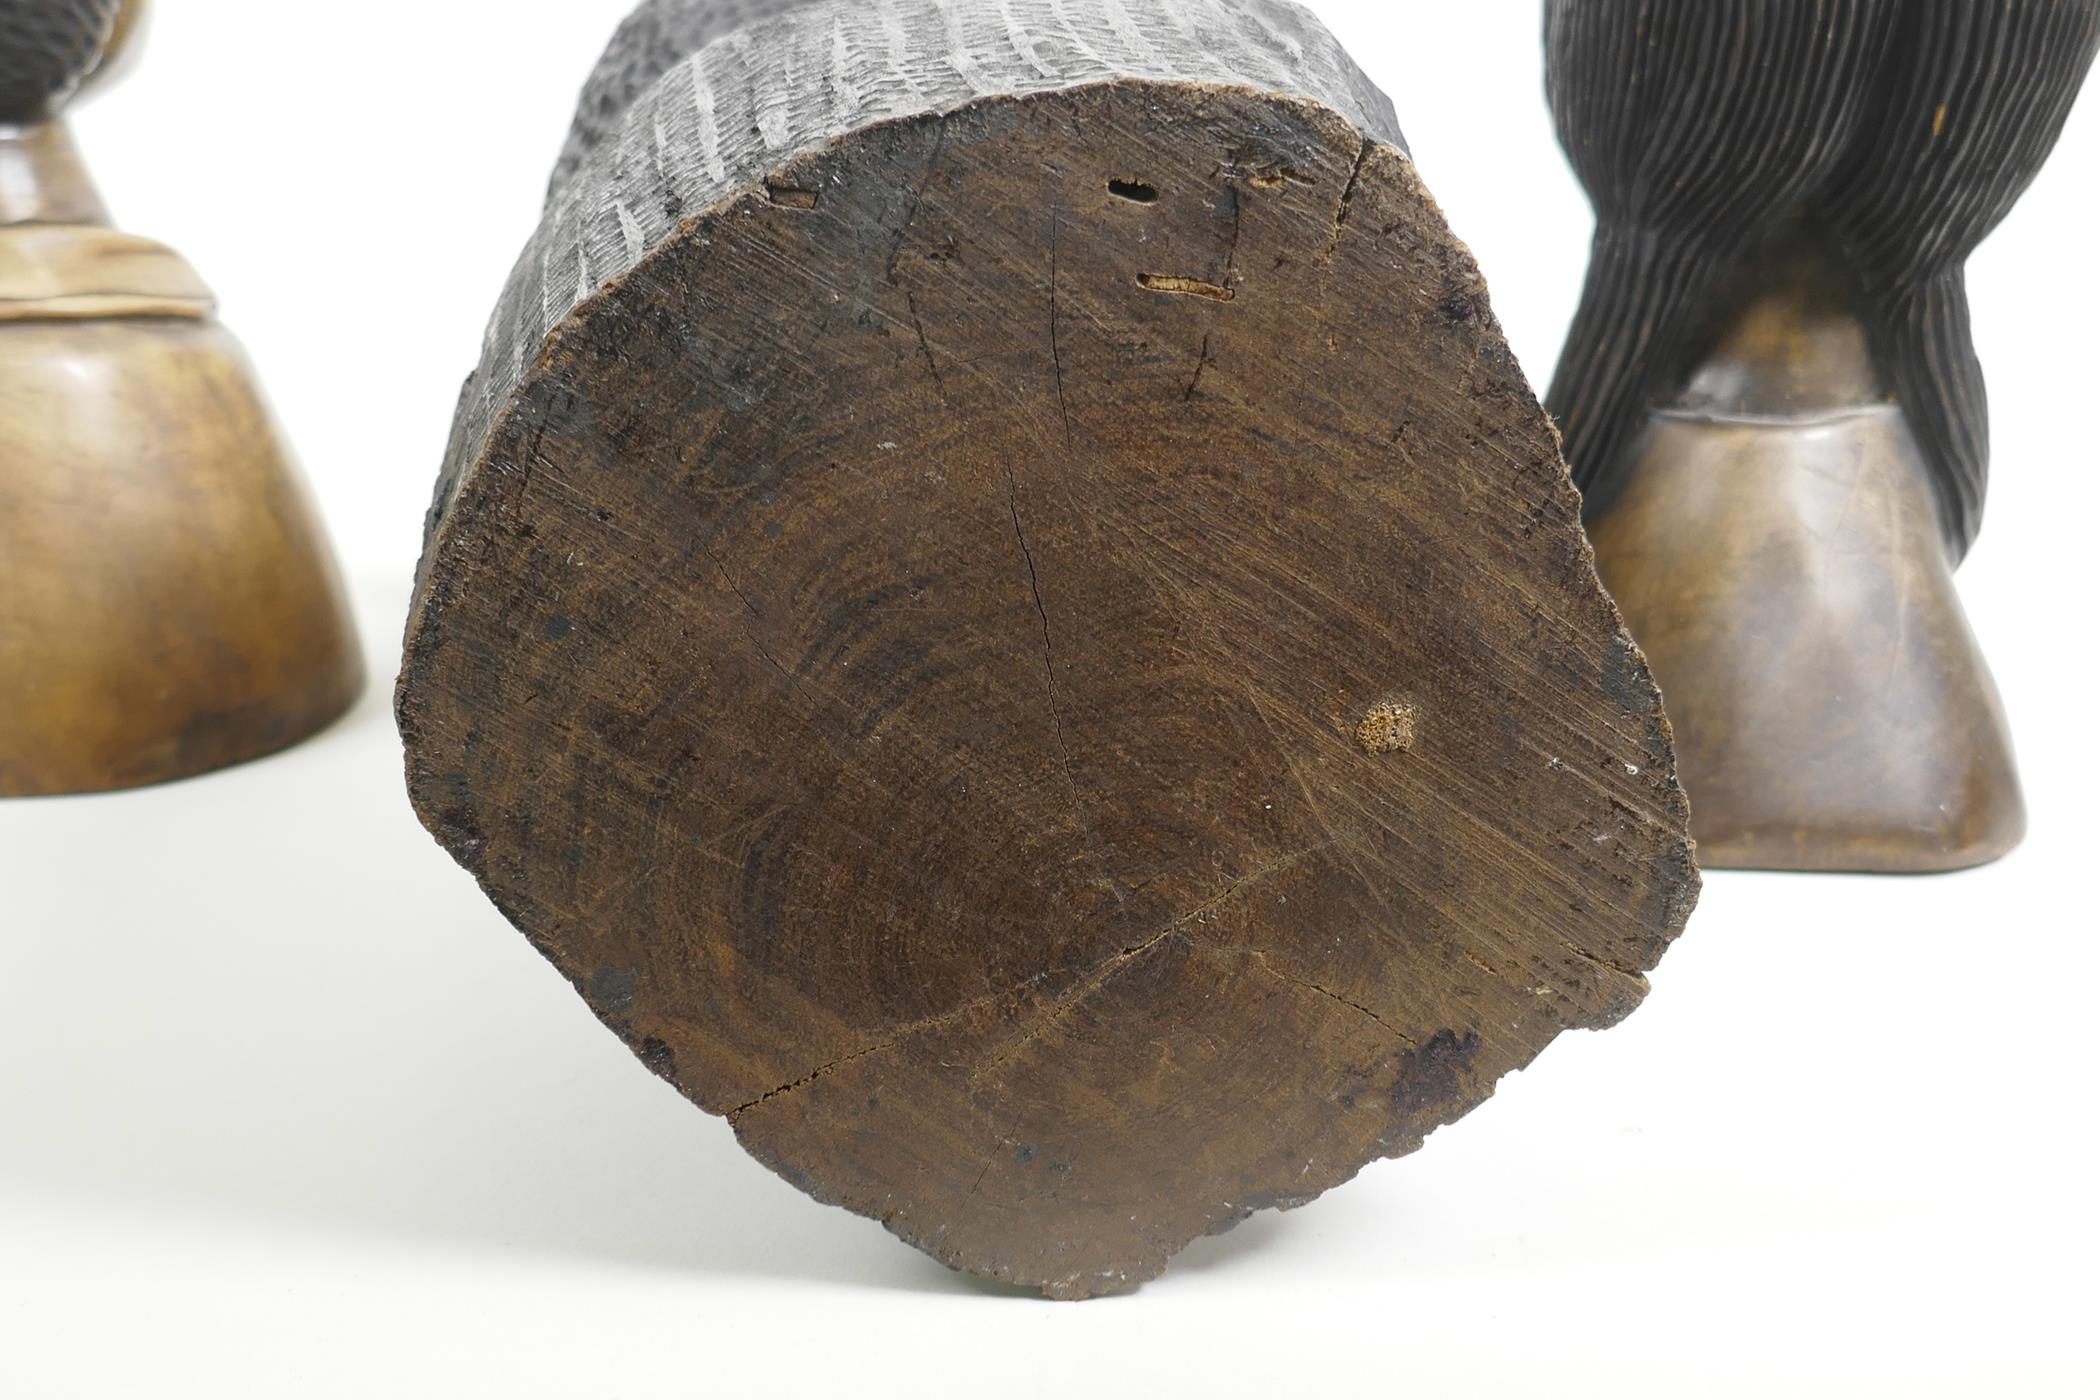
(46, 48)
(1896, 133)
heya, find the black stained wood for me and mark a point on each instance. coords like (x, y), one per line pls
(1893, 134)
(1024, 640)
(46, 48)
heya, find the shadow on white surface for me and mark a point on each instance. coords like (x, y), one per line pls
(274, 1075)
(268, 994)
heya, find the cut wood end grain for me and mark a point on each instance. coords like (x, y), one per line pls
(951, 769)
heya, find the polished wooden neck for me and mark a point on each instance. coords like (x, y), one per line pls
(1791, 346)
(43, 179)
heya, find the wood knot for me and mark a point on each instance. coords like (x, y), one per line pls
(1387, 727)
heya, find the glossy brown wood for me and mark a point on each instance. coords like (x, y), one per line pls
(168, 602)
(1778, 547)
(1770, 399)
(1001, 609)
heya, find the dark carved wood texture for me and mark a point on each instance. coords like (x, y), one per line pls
(1896, 133)
(1001, 609)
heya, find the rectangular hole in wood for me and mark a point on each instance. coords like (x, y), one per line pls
(1183, 286)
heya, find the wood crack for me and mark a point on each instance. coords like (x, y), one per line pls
(745, 627)
(814, 1075)
(1261, 959)
(1101, 975)
(1057, 355)
(1348, 200)
(918, 195)
(895, 1039)
(1631, 974)
(1232, 249)
(1202, 364)
(911, 304)
(1035, 589)
(1092, 982)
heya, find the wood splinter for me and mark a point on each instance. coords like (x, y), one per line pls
(913, 678)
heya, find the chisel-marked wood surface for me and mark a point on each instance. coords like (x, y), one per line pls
(1001, 609)
(1772, 404)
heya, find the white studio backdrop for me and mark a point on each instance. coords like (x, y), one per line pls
(286, 1109)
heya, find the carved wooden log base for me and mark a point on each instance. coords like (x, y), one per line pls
(1001, 609)
(168, 602)
(1771, 401)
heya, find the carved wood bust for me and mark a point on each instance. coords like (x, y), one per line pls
(168, 603)
(1771, 403)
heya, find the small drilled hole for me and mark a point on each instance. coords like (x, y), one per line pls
(1134, 191)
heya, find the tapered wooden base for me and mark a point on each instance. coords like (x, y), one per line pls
(1778, 553)
(1771, 401)
(168, 604)
(1832, 709)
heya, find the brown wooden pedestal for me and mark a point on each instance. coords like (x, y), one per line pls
(168, 603)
